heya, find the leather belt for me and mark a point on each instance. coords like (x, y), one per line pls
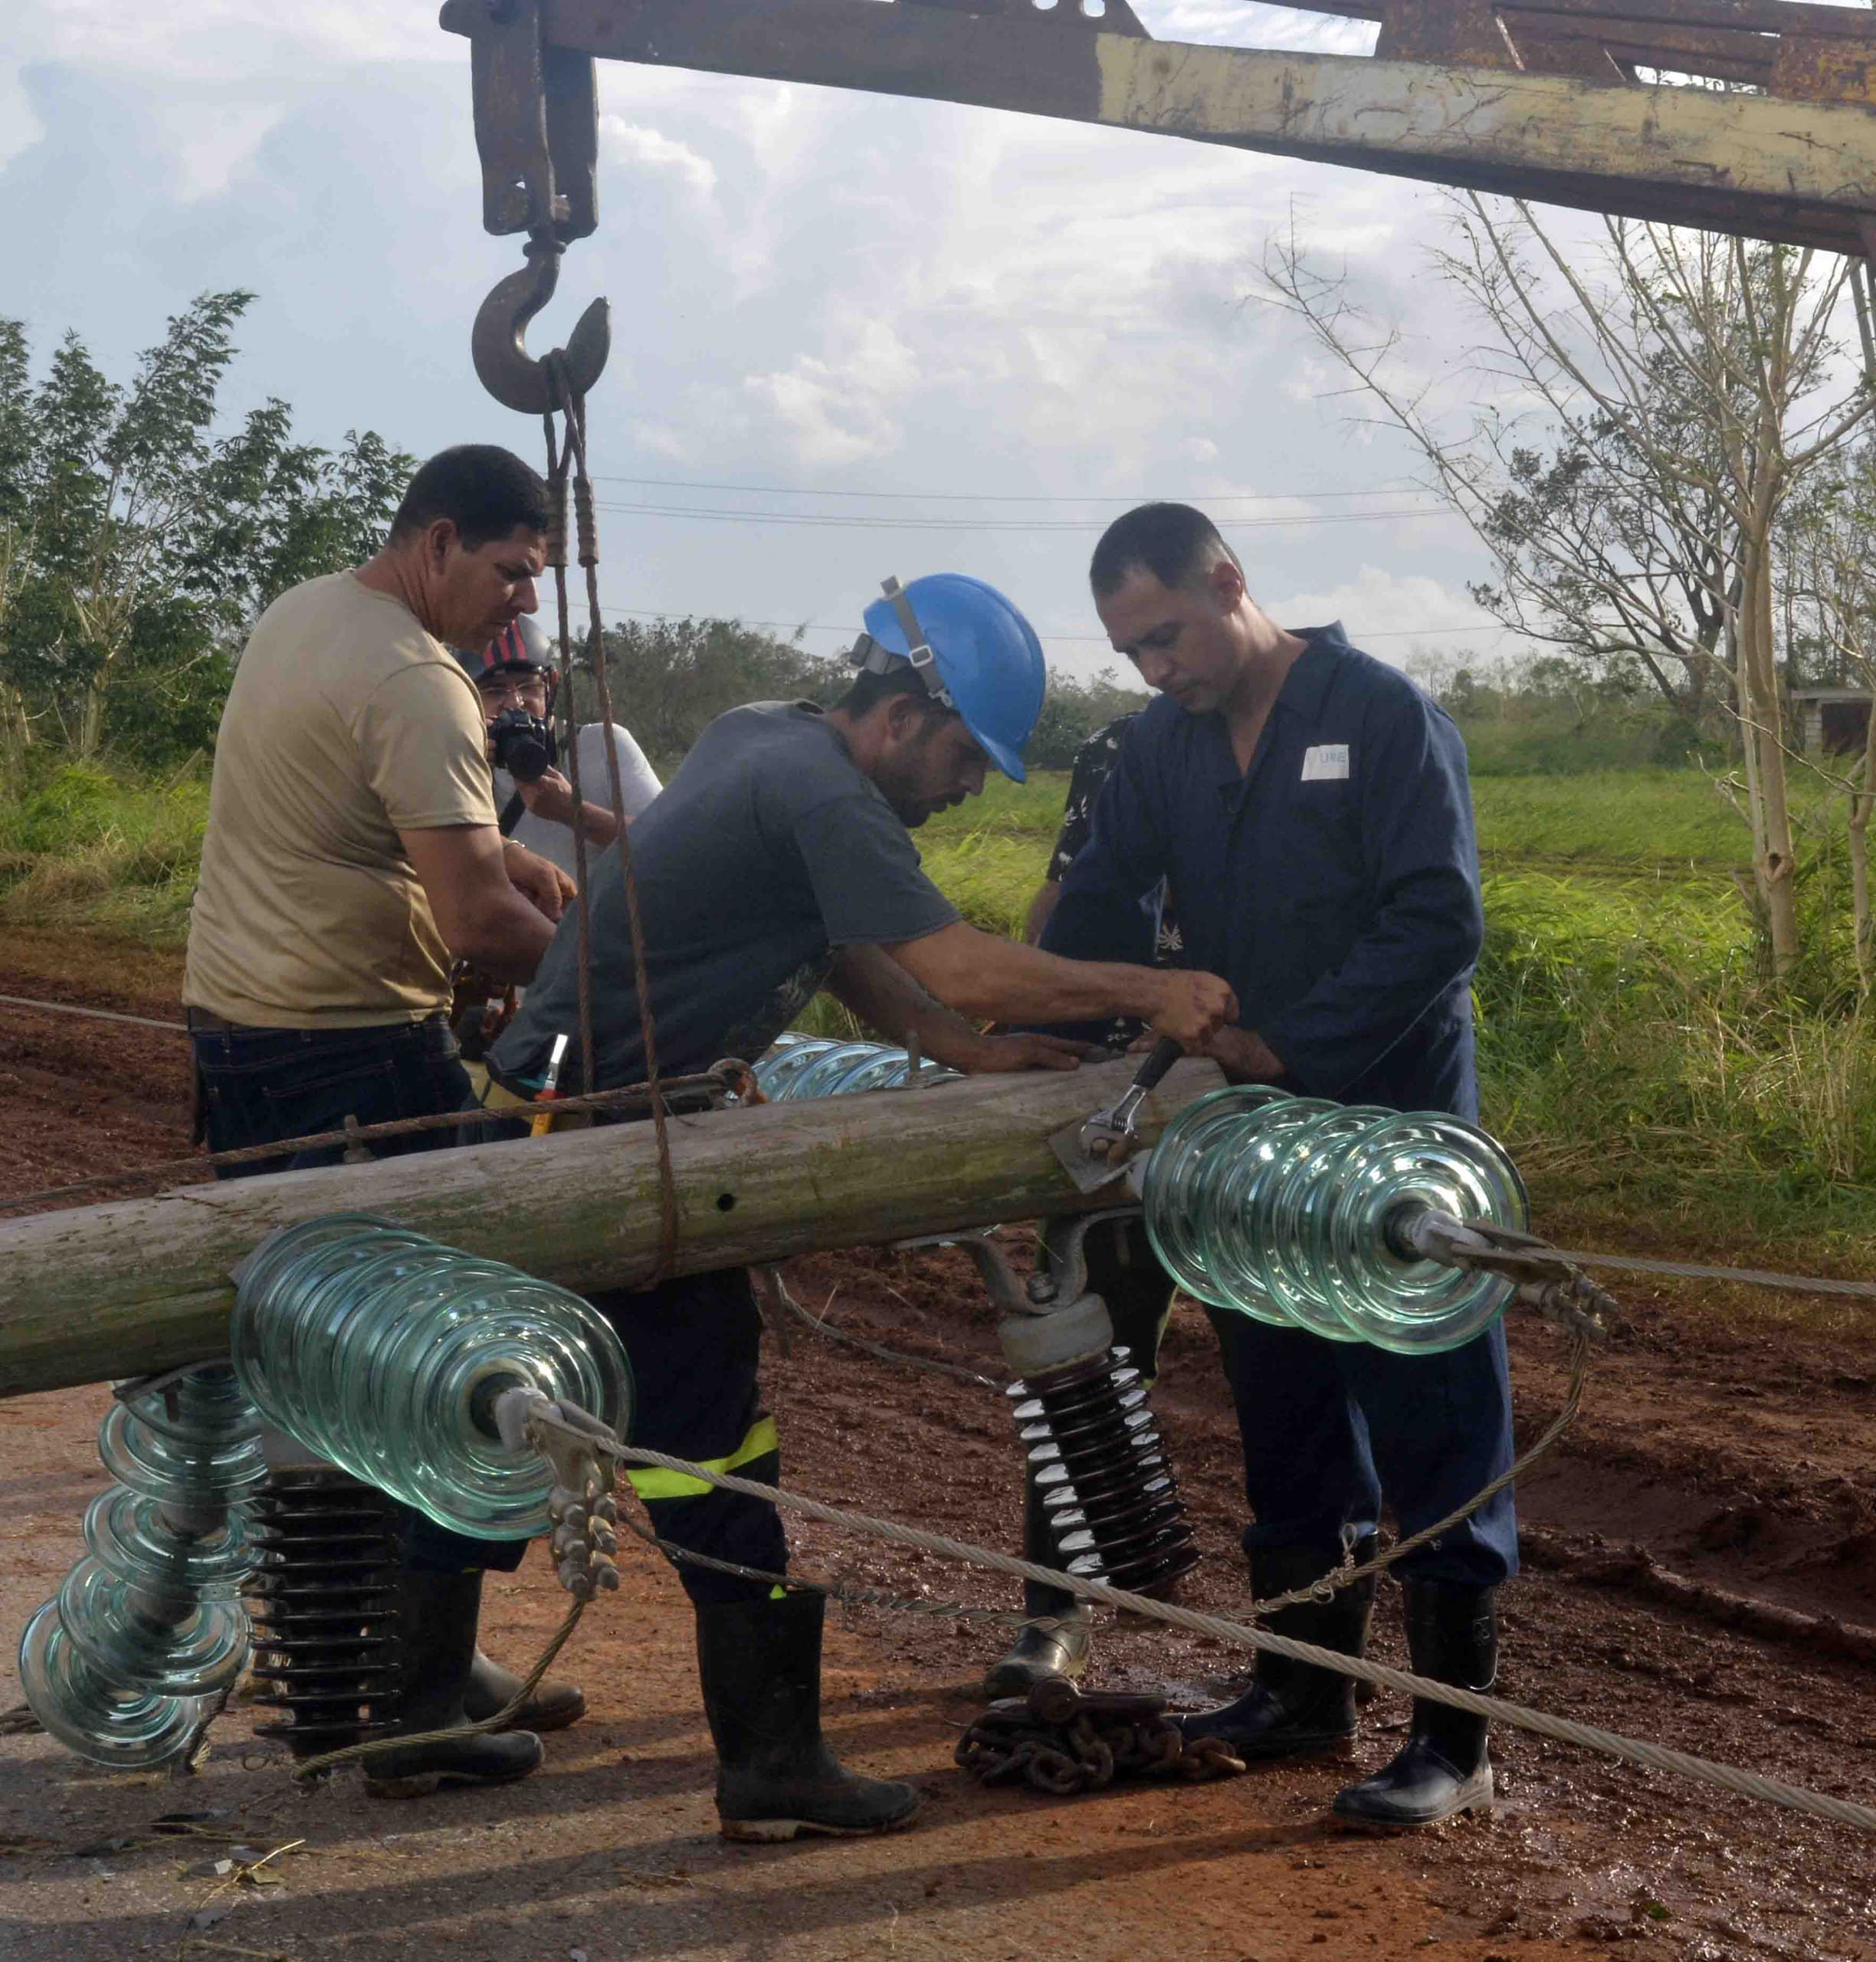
(210, 1024)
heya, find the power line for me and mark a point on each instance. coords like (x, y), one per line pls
(1383, 489)
(869, 522)
(1098, 640)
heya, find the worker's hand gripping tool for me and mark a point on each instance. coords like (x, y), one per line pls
(1098, 1148)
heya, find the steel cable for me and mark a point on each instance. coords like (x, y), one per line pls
(1561, 1730)
(93, 1015)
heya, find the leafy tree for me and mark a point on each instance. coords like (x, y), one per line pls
(137, 545)
(1073, 710)
(669, 679)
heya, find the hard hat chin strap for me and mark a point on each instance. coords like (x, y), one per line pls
(870, 658)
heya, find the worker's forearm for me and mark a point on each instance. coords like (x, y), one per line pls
(598, 823)
(887, 998)
(1041, 910)
(503, 935)
(1015, 983)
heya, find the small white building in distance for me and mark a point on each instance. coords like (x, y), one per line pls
(1831, 721)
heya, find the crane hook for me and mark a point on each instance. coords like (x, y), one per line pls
(499, 345)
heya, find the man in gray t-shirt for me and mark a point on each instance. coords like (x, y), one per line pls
(769, 852)
(779, 859)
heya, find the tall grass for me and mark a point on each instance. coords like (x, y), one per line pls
(81, 847)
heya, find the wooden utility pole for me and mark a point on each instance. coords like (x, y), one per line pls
(114, 1291)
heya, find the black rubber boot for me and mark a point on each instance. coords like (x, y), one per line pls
(1060, 1636)
(1050, 1647)
(437, 1615)
(491, 1687)
(759, 1663)
(1452, 1636)
(1291, 1710)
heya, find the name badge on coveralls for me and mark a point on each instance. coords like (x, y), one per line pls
(1325, 763)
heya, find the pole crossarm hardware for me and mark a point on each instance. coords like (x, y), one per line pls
(1563, 101)
(100, 1291)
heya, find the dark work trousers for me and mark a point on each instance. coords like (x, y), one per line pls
(694, 1344)
(260, 1085)
(1329, 1427)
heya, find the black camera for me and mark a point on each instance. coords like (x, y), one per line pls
(522, 745)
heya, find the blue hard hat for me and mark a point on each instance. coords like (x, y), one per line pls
(988, 662)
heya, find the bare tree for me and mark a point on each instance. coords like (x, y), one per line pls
(1645, 419)
(1829, 577)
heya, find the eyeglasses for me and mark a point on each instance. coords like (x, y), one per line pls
(526, 690)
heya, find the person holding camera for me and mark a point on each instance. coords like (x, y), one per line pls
(516, 676)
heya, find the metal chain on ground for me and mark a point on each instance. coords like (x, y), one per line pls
(573, 405)
(93, 1015)
(1561, 1730)
(310, 1767)
(719, 1079)
(1064, 1741)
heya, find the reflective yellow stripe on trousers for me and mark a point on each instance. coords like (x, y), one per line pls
(652, 1481)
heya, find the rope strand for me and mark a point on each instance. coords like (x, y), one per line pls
(582, 890)
(575, 412)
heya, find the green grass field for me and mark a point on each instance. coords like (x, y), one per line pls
(1632, 1054)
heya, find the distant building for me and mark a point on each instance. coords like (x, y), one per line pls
(1831, 721)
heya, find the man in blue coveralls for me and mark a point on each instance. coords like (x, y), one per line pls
(1309, 809)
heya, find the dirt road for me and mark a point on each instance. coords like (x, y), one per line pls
(1718, 1490)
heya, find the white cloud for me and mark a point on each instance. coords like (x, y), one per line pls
(207, 152)
(838, 408)
(204, 39)
(634, 144)
(825, 292)
(1396, 615)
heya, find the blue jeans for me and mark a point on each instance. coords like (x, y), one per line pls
(260, 1085)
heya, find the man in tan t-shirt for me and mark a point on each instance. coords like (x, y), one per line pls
(352, 851)
(351, 847)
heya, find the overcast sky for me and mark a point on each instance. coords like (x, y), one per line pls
(816, 295)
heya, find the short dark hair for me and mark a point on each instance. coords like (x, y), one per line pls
(1164, 540)
(869, 690)
(484, 490)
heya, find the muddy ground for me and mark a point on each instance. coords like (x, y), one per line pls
(1714, 1500)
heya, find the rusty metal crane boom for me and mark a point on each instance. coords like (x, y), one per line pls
(1750, 116)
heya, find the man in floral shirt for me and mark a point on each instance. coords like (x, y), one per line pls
(1093, 762)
